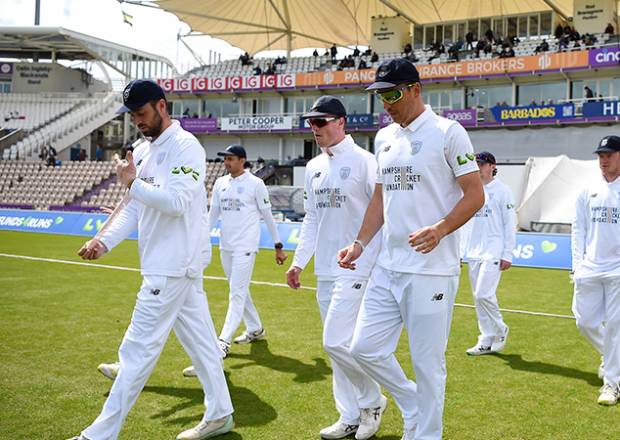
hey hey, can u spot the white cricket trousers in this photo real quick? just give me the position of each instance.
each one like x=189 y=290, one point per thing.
x=163 y=304
x=238 y=267
x=423 y=303
x=596 y=306
x=484 y=278
x=339 y=304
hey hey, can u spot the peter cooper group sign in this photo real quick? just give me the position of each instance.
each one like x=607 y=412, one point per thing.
x=255 y=123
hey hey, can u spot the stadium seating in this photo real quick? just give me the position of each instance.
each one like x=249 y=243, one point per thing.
x=35 y=184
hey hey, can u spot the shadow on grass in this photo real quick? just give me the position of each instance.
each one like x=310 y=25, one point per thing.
x=250 y=410
x=260 y=355
x=516 y=362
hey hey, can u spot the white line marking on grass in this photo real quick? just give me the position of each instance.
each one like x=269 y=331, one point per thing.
x=259 y=283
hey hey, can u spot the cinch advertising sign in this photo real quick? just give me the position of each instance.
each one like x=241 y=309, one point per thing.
x=606 y=108
x=549 y=251
x=533 y=113
x=605 y=56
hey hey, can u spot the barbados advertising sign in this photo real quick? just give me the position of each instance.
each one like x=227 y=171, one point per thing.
x=533 y=113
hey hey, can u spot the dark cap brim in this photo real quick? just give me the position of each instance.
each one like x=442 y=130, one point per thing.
x=228 y=153
x=380 y=85
x=319 y=115
x=605 y=150
x=123 y=109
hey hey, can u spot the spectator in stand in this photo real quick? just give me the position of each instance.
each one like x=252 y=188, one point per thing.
x=542 y=47
x=271 y=69
x=99 y=153
x=533 y=103
x=577 y=45
x=186 y=112
x=411 y=57
x=43 y=153
x=563 y=43
x=588 y=93
x=609 y=29
x=326 y=54
x=480 y=46
x=489 y=36
x=258 y=70
x=51 y=156
x=559 y=31
x=368 y=51
x=507 y=52
x=82 y=156
x=374 y=58
x=315 y=53
x=362 y=65
x=356 y=52
x=454 y=50
x=574 y=35
x=334 y=52
x=245 y=59
x=514 y=40
x=589 y=40
x=407 y=49
x=469 y=39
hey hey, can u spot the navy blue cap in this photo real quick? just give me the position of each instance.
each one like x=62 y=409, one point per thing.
x=138 y=92
x=233 y=150
x=394 y=72
x=485 y=157
x=326 y=106
x=609 y=144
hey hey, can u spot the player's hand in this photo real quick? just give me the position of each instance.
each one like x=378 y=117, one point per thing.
x=348 y=255
x=126 y=170
x=92 y=250
x=292 y=277
x=426 y=239
x=504 y=264
x=280 y=256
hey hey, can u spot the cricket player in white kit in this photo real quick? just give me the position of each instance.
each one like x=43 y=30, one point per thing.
x=241 y=199
x=489 y=238
x=428 y=186
x=338 y=186
x=167 y=203
x=596 y=266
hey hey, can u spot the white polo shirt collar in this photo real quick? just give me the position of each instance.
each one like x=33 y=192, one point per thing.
x=420 y=120
x=167 y=134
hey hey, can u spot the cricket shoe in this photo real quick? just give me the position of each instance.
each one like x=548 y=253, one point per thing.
x=208 y=429
x=338 y=430
x=224 y=347
x=479 y=350
x=190 y=371
x=500 y=342
x=109 y=370
x=370 y=420
x=609 y=395
x=246 y=337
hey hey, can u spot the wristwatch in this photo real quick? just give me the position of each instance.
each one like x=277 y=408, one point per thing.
x=278 y=245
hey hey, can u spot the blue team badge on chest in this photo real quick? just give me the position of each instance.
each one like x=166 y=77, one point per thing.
x=415 y=146
x=240 y=189
x=345 y=172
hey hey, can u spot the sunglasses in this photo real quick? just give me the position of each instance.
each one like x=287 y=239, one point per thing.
x=392 y=96
x=320 y=122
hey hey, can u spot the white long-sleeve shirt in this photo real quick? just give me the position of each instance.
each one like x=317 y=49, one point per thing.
x=241 y=202
x=337 y=192
x=596 y=231
x=167 y=205
x=491 y=232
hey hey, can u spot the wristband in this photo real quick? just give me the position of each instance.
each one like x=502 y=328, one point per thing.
x=360 y=243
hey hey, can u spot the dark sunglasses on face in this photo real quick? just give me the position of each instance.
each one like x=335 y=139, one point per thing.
x=320 y=122
x=394 y=95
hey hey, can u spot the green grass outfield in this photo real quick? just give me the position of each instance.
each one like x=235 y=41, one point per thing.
x=59 y=321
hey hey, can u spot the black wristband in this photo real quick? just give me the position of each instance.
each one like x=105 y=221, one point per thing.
x=278 y=245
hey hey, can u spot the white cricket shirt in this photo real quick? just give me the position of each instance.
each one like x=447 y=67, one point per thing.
x=596 y=231
x=167 y=205
x=337 y=191
x=417 y=168
x=241 y=202
x=491 y=232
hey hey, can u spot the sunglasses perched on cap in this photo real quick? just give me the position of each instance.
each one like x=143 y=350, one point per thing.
x=320 y=122
x=394 y=95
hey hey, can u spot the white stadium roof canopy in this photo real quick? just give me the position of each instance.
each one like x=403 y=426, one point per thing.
x=256 y=25
x=57 y=43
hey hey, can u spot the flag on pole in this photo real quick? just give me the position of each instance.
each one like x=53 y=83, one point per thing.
x=128 y=18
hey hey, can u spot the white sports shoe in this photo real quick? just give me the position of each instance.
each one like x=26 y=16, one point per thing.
x=500 y=342
x=601 y=369
x=109 y=370
x=208 y=429
x=246 y=337
x=338 y=430
x=479 y=350
x=609 y=395
x=190 y=371
x=409 y=434
x=224 y=346
x=370 y=420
